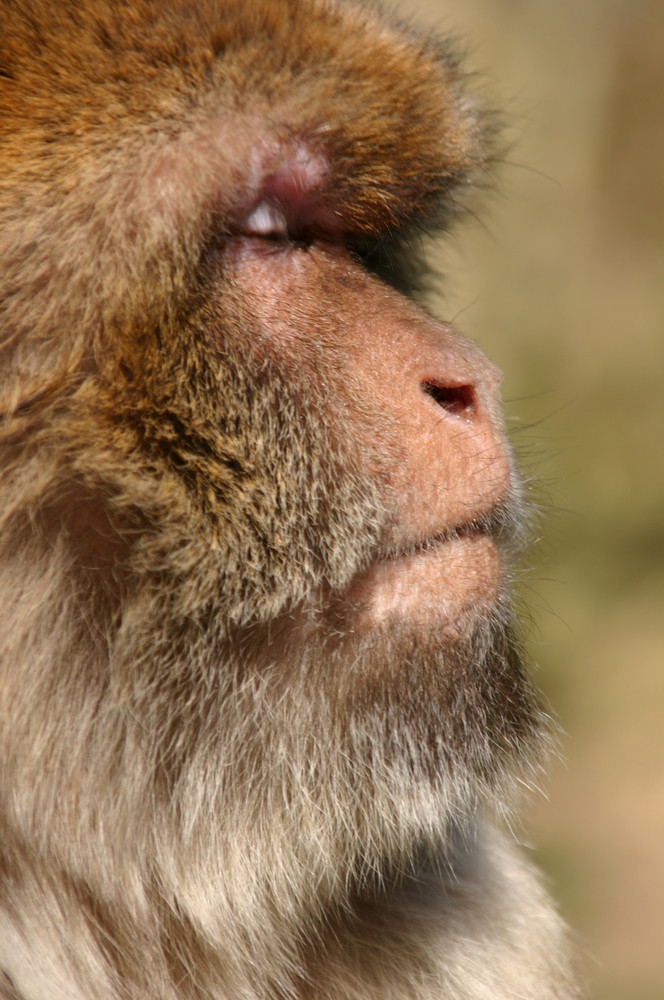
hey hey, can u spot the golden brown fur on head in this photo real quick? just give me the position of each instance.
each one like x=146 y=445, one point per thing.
x=234 y=762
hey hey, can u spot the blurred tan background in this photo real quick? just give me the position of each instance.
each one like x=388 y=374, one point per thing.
x=562 y=282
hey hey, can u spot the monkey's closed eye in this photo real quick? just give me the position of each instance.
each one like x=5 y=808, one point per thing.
x=267 y=220
x=291 y=198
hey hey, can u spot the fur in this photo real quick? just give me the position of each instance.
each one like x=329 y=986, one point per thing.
x=209 y=786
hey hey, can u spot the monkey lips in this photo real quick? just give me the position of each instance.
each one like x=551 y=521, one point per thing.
x=448 y=579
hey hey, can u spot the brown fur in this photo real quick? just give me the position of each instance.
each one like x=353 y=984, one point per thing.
x=210 y=784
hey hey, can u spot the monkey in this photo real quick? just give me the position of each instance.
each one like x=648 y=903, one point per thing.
x=265 y=714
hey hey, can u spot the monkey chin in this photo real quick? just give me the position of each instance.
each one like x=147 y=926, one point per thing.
x=450 y=582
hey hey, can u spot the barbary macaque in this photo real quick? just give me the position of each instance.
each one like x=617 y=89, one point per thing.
x=263 y=706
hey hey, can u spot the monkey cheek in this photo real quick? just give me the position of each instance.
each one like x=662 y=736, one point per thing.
x=451 y=586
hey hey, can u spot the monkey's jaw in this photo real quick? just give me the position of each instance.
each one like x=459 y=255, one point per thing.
x=451 y=582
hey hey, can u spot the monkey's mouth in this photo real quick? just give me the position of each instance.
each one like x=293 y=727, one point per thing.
x=489 y=526
x=500 y=524
x=448 y=578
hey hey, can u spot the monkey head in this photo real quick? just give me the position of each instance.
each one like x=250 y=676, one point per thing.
x=257 y=504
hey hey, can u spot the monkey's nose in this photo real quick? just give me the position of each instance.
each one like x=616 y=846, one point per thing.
x=454 y=464
x=457 y=399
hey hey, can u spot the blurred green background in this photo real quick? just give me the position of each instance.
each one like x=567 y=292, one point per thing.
x=562 y=282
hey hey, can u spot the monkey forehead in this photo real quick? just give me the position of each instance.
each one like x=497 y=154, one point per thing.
x=194 y=96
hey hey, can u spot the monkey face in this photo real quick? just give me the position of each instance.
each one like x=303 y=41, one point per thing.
x=256 y=500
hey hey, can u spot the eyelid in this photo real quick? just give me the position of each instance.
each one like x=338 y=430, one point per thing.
x=266 y=219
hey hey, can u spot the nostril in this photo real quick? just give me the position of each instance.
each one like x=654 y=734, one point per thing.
x=455 y=399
